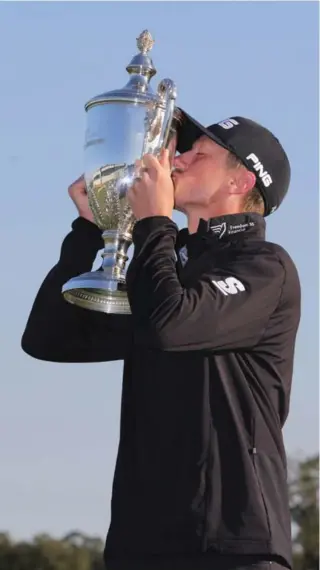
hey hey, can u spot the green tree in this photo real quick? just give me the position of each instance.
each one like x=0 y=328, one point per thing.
x=304 y=502
x=73 y=552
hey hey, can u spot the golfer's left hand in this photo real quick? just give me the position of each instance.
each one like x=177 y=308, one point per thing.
x=153 y=193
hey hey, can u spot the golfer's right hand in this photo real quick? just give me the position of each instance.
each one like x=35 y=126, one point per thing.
x=78 y=194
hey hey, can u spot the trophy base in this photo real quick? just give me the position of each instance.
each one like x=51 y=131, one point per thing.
x=97 y=292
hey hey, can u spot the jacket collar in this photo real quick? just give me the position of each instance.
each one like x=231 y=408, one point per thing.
x=228 y=227
x=222 y=229
x=233 y=226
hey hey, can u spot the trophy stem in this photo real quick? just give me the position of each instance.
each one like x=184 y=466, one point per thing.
x=114 y=254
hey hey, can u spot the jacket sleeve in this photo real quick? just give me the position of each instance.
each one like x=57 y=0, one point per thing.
x=225 y=307
x=57 y=331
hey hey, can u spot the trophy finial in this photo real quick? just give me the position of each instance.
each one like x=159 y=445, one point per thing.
x=141 y=65
x=145 y=42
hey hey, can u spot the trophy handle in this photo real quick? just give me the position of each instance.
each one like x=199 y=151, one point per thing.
x=167 y=92
x=158 y=121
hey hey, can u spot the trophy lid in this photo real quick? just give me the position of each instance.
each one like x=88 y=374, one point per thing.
x=141 y=70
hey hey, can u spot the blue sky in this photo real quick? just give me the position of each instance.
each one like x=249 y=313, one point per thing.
x=59 y=424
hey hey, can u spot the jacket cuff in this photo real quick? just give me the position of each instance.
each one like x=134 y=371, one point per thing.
x=89 y=228
x=80 y=247
x=155 y=224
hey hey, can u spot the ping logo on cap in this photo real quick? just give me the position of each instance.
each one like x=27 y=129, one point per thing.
x=259 y=168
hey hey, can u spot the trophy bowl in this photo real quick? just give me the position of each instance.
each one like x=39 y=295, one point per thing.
x=122 y=126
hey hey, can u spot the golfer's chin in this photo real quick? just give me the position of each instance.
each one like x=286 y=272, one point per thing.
x=176 y=179
x=179 y=191
x=178 y=206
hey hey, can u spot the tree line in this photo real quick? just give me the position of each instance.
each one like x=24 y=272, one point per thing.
x=76 y=551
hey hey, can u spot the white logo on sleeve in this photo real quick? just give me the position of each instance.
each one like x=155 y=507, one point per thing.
x=259 y=168
x=229 y=286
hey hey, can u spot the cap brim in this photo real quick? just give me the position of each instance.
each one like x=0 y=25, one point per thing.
x=190 y=130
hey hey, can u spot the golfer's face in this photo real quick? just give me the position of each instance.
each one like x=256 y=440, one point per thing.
x=200 y=173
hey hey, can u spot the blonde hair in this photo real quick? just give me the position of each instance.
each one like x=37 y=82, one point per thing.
x=252 y=201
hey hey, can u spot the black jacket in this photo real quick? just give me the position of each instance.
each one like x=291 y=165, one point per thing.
x=208 y=358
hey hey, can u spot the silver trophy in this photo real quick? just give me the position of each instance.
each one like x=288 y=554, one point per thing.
x=122 y=126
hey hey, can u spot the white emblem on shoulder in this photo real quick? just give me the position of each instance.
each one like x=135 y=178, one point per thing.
x=229 y=286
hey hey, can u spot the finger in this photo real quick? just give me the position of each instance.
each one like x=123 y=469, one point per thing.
x=139 y=170
x=137 y=167
x=78 y=187
x=140 y=181
x=164 y=159
x=151 y=162
x=152 y=166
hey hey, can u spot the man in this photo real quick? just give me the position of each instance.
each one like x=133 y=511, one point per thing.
x=200 y=479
